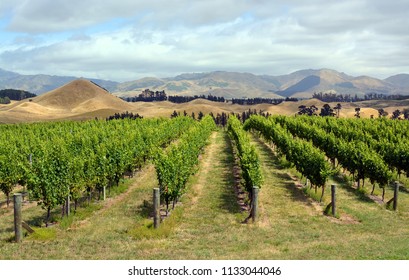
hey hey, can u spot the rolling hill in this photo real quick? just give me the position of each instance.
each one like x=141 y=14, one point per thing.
x=71 y=101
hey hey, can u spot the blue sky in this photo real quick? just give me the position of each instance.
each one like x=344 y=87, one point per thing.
x=124 y=40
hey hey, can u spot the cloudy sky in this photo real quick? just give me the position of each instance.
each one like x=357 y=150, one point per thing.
x=124 y=40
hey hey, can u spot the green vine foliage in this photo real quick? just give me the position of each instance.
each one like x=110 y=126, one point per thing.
x=176 y=164
x=355 y=156
x=249 y=160
x=306 y=158
x=75 y=158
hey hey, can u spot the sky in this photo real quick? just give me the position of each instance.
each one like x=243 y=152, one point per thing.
x=124 y=40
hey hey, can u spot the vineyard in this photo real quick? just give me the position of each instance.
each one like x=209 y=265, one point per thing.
x=88 y=188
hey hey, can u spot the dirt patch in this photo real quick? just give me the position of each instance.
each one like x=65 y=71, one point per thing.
x=376 y=199
x=312 y=204
x=345 y=219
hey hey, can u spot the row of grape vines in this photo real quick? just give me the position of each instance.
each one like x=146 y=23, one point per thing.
x=306 y=158
x=248 y=157
x=386 y=137
x=57 y=160
x=354 y=156
x=348 y=143
x=175 y=164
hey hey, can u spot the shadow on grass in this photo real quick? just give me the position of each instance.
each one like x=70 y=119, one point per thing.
x=145 y=210
x=360 y=194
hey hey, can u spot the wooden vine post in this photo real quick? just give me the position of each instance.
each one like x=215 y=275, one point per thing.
x=18 y=230
x=67 y=206
x=156 y=207
x=395 y=196
x=254 y=202
x=333 y=199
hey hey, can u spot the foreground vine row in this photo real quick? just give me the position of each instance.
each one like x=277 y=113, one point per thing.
x=248 y=157
x=175 y=164
x=57 y=160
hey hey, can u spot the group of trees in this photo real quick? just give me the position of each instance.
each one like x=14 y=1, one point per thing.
x=5 y=100
x=260 y=100
x=334 y=97
x=326 y=110
x=150 y=96
x=14 y=94
x=185 y=99
x=396 y=115
x=175 y=114
x=126 y=115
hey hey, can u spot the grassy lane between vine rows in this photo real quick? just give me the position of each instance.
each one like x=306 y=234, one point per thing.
x=207 y=223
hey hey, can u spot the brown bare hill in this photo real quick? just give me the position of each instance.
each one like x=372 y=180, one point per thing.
x=81 y=96
x=79 y=99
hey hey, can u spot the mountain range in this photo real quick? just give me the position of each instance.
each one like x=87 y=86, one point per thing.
x=82 y=99
x=301 y=84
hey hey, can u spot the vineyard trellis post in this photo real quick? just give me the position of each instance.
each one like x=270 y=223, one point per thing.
x=333 y=199
x=67 y=206
x=254 y=203
x=18 y=230
x=156 y=207
x=395 y=196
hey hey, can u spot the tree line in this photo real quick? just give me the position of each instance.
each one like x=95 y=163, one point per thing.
x=14 y=94
x=151 y=96
x=260 y=100
x=334 y=97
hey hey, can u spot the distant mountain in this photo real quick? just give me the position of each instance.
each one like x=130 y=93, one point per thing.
x=140 y=84
x=400 y=81
x=6 y=75
x=301 y=84
x=40 y=84
x=305 y=82
x=218 y=83
x=304 y=85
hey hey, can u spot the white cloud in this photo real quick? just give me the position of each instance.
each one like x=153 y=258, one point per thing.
x=125 y=40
